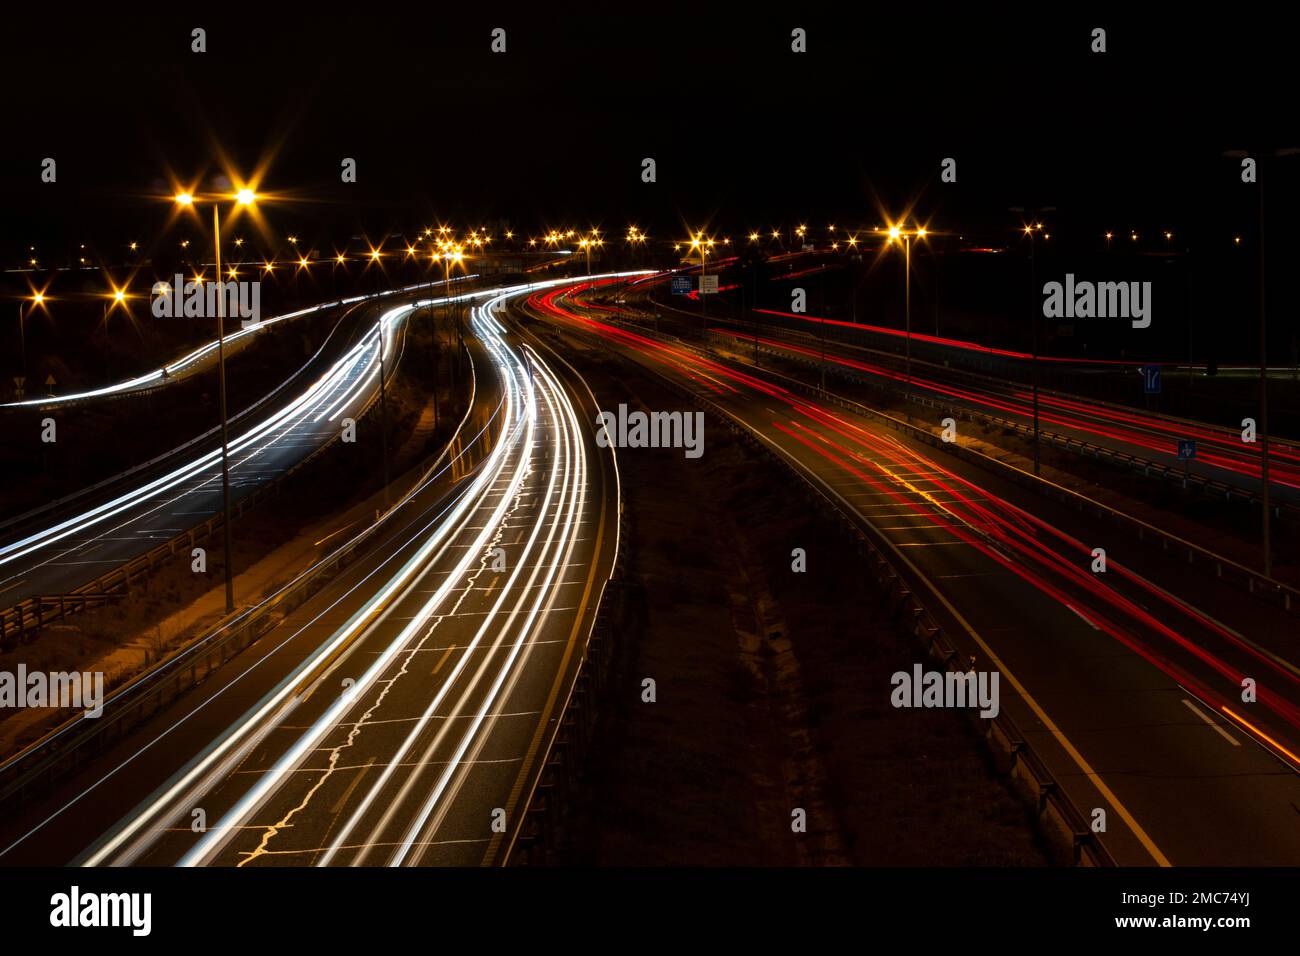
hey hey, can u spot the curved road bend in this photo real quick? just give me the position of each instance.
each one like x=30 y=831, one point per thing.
x=1126 y=683
x=387 y=718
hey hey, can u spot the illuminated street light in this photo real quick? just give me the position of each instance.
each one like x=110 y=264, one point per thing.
x=896 y=233
x=1034 y=320
x=703 y=243
x=37 y=299
x=244 y=197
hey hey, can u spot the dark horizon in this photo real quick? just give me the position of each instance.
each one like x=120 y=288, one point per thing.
x=742 y=131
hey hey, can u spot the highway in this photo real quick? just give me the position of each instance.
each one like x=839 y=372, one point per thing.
x=1221 y=454
x=384 y=720
x=1128 y=683
x=60 y=549
x=73 y=549
x=205 y=356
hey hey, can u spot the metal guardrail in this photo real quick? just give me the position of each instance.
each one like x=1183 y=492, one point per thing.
x=1252 y=581
x=211 y=432
x=1147 y=466
x=541 y=807
x=1061 y=823
x=35 y=768
x=981 y=374
x=21 y=622
x=1233 y=572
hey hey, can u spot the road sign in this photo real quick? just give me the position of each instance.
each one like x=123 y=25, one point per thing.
x=708 y=285
x=1151 y=379
x=681 y=285
x=1186 y=449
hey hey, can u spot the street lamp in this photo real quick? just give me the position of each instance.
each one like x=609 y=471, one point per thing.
x=907 y=235
x=383 y=383
x=244 y=197
x=1033 y=314
x=636 y=237
x=111 y=301
x=36 y=298
x=1265 y=501
x=704 y=244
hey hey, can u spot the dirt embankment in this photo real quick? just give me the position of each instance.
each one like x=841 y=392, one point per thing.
x=772 y=687
x=315 y=510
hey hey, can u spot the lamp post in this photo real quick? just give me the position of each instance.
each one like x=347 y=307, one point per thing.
x=37 y=298
x=112 y=300
x=704 y=244
x=1265 y=493
x=245 y=197
x=383 y=382
x=907 y=235
x=452 y=256
x=1029 y=229
x=383 y=407
x=1033 y=322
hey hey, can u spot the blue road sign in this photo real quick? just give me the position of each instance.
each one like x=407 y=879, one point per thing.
x=1186 y=449
x=682 y=285
x=1151 y=379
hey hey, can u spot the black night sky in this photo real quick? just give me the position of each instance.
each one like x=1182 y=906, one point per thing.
x=745 y=134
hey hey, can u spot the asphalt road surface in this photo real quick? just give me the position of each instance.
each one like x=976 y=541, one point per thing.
x=398 y=715
x=1127 y=683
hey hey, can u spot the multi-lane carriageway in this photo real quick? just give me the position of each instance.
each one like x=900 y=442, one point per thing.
x=389 y=718
x=70 y=543
x=1128 y=684
x=1221 y=454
